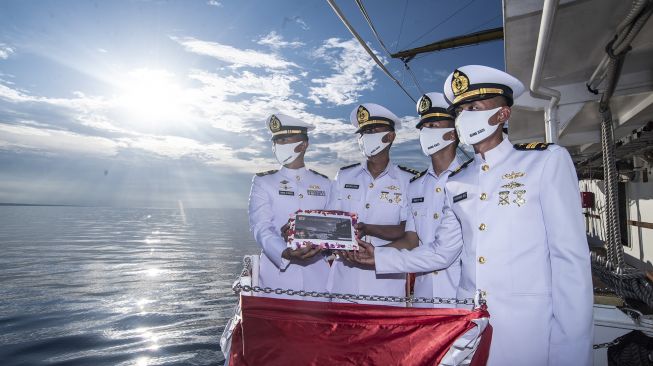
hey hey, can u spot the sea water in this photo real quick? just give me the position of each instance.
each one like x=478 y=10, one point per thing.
x=117 y=286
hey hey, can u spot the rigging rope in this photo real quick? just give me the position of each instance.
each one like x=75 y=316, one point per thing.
x=378 y=38
x=442 y=22
x=351 y=29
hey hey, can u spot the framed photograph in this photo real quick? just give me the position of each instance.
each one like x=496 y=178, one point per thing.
x=328 y=229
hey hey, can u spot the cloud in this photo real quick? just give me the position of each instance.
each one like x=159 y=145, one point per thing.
x=296 y=19
x=49 y=141
x=214 y=3
x=5 y=51
x=276 y=41
x=353 y=72
x=233 y=56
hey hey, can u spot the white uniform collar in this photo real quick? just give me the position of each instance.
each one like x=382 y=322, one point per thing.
x=293 y=174
x=497 y=154
x=389 y=169
x=455 y=163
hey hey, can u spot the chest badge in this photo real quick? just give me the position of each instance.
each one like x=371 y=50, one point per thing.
x=513 y=175
x=392 y=188
x=284 y=185
x=384 y=195
x=503 y=198
x=314 y=186
x=397 y=197
x=512 y=185
x=520 y=200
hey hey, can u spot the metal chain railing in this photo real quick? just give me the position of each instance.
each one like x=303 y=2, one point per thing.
x=615 y=342
x=237 y=288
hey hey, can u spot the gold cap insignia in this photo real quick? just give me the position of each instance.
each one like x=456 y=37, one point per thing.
x=424 y=104
x=459 y=82
x=362 y=115
x=275 y=124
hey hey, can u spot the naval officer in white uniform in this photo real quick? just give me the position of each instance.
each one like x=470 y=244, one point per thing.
x=426 y=195
x=375 y=190
x=523 y=238
x=277 y=194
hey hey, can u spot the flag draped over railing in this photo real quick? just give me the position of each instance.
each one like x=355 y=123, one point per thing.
x=290 y=332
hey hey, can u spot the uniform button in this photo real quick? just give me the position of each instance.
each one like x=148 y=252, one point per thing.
x=483 y=196
x=349 y=196
x=438 y=189
x=298 y=178
x=481 y=260
x=485 y=167
x=371 y=185
x=435 y=272
x=301 y=195
x=367 y=205
x=436 y=216
x=483 y=293
x=482 y=227
x=415 y=213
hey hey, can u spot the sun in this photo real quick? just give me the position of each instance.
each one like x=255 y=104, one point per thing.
x=151 y=96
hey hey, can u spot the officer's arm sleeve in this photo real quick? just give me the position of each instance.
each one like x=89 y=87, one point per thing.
x=262 y=226
x=410 y=221
x=334 y=198
x=446 y=249
x=571 y=283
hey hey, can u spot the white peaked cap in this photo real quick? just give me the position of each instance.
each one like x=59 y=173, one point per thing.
x=281 y=124
x=370 y=114
x=432 y=107
x=477 y=82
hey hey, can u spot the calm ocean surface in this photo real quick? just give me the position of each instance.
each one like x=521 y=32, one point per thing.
x=115 y=286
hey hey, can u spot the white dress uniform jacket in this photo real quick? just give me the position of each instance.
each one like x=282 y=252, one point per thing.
x=426 y=198
x=524 y=245
x=274 y=197
x=380 y=201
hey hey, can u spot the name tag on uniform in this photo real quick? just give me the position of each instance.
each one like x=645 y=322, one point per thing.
x=312 y=192
x=287 y=193
x=352 y=186
x=417 y=200
x=460 y=197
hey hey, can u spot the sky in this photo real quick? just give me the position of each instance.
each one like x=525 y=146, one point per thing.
x=156 y=103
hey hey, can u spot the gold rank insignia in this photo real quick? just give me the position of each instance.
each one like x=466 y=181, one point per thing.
x=424 y=104
x=392 y=188
x=512 y=185
x=503 y=198
x=362 y=115
x=275 y=124
x=314 y=186
x=520 y=200
x=513 y=175
x=459 y=83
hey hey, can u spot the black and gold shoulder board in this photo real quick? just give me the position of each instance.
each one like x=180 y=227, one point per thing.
x=532 y=146
x=460 y=168
x=320 y=174
x=267 y=173
x=349 y=166
x=408 y=170
x=418 y=176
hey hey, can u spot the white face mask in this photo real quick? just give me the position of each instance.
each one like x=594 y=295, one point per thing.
x=285 y=153
x=473 y=126
x=372 y=144
x=432 y=139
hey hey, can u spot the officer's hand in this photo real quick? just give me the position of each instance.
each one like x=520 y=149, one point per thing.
x=364 y=254
x=360 y=229
x=347 y=255
x=301 y=253
x=284 y=231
